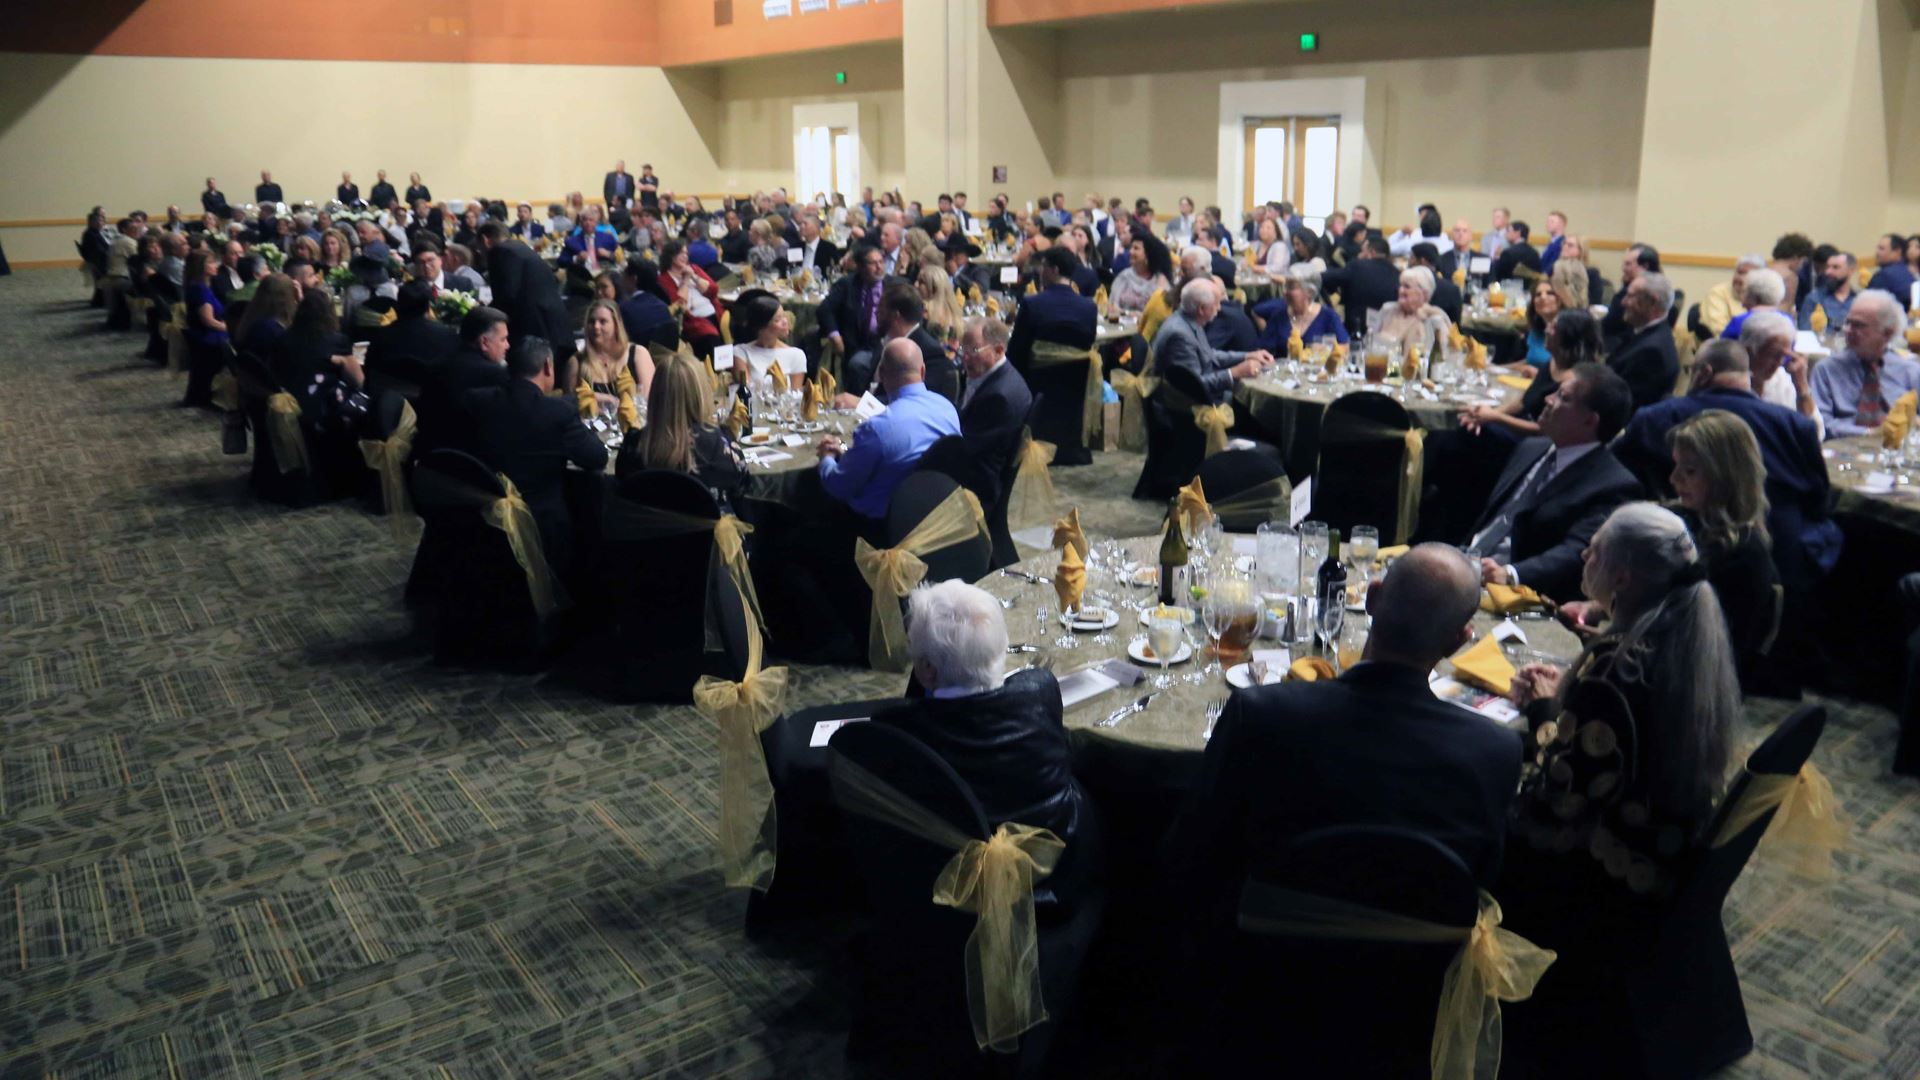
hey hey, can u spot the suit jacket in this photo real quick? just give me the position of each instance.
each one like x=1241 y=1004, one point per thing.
x=825 y=255
x=1232 y=331
x=840 y=313
x=1058 y=314
x=992 y=420
x=618 y=188
x=348 y=193
x=974 y=276
x=267 y=193
x=525 y=288
x=1373 y=747
x=1182 y=347
x=1649 y=363
x=383 y=196
x=215 y=202
x=1806 y=540
x=1446 y=297
x=1086 y=279
x=416 y=192
x=1549 y=535
x=943 y=375
x=527 y=231
x=531 y=437
x=411 y=349
x=1507 y=266
x=1225 y=269
x=441 y=407
x=1363 y=284
x=1010 y=746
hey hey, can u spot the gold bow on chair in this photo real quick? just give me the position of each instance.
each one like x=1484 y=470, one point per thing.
x=1808 y=825
x=1030 y=502
x=388 y=457
x=993 y=879
x=176 y=333
x=226 y=390
x=1049 y=354
x=510 y=514
x=741 y=711
x=1214 y=420
x=283 y=426
x=1133 y=390
x=1492 y=965
x=893 y=572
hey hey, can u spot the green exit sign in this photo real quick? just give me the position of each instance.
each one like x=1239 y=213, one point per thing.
x=1309 y=42
x=840 y=77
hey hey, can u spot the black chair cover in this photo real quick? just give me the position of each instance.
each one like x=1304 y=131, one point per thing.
x=1175 y=444
x=1229 y=474
x=1362 y=449
x=479 y=605
x=912 y=501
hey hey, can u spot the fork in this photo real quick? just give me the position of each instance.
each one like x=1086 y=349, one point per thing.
x=1213 y=717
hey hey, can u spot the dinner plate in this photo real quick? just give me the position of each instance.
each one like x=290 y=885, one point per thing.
x=1107 y=619
x=1146 y=613
x=757 y=439
x=807 y=427
x=1142 y=653
x=1875 y=489
x=1241 y=675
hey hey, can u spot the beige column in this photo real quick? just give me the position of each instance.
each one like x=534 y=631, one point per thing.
x=1768 y=116
x=976 y=98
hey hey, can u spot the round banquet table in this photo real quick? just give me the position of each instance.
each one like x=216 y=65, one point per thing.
x=1289 y=409
x=1111 y=330
x=1256 y=285
x=1850 y=462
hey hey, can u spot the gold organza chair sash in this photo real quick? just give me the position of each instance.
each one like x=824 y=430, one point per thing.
x=176 y=334
x=1412 y=468
x=1212 y=420
x=1491 y=966
x=748 y=836
x=1051 y=353
x=993 y=879
x=1030 y=502
x=1133 y=390
x=283 y=427
x=510 y=514
x=893 y=572
x=388 y=457
x=1270 y=500
x=1808 y=825
x=626 y=519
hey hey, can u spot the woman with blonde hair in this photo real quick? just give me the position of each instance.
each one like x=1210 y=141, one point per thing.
x=681 y=436
x=610 y=363
x=1569 y=281
x=943 y=307
x=305 y=247
x=763 y=257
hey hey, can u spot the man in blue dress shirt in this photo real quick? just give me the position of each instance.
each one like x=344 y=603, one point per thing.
x=1855 y=388
x=889 y=445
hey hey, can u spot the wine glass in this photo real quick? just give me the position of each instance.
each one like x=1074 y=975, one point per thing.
x=1363 y=548
x=1102 y=572
x=1164 y=634
x=1068 y=639
x=1233 y=621
x=1352 y=643
x=1198 y=637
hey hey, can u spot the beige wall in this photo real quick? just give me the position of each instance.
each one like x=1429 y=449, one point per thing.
x=127 y=132
x=755 y=111
x=1903 y=202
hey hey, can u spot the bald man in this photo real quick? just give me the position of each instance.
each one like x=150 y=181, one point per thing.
x=888 y=446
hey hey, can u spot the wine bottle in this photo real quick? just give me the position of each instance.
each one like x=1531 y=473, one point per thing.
x=1332 y=581
x=1173 y=555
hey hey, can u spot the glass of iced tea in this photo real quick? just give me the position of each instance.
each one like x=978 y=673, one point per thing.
x=1233 y=620
x=1378 y=359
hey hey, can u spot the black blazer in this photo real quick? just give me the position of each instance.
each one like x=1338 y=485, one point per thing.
x=1058 y=314
x=840 y=313
x=441 y=407
x=416 y=192
x=1549 y=535
x=531 y=437
x=347 y=193
x=1232 y=330
x=1010 y=746
x=1649 y=363
x=410 y=349
x=1512 y=257
x=991 y=421
x=943 y=375
x=1373 y=747
x=266 y=193
x=825 y=255
x=215 y=202
x=1363 y=284
x=618 y=188
x=1446 y=297
x=383 y=196
x=524 y=287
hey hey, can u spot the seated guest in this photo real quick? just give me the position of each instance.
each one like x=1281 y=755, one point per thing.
x=1148 y=269
x=1271 y=252
x=1194 y=263
x=606 y=286
x=645 y=312
x=994 y=405
x=1306 y=253
x=891 y=443
x=460 y=273
x=850 y=317
x=1366 y=282
x=1055 y=312
x=608 y=357
x=315 y=363
x=1517 y=254
x=1446 y=295
x=936 y=290
x=1804 y=538
x=206 y=330
x=1719 y=479
x=1615 y=328
x=1373 y=747
x=1543 y=307
x=413 y=344
x=1894 y=276
x=1221 y=264
x=689 y=286
x=335 y=251
x=1832 y=293
x=229 y=277
x=1297 y=312
x=1727 y=299
x=1182 y=345
x=1854 y=389
x=524 y=226
x=1232 y=329
x=760 y=328
x=1573 y=339
x=268 y=314
x=1001 y=733
x=1779 y=376
x=1413 y=318
x=479 y=363
x=1764 y=290
x=1633 y=745
x=1557 y=488
x=588 y=246
x=904 y=315
x=763 y=257
x=524 y=432
x=1646 y=358
x=681 y=436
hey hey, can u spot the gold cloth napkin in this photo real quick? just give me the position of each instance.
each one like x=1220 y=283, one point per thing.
x=1518 y=382
x=1068 y=533
x=1899 y=419
x=778 y=376
x=1194 y=511
x=1476 y=355
x=810 y=403
x=1069 y=579
x=739 y=420
x=1310 y=669
x=1483 y=665
x=1511 y=599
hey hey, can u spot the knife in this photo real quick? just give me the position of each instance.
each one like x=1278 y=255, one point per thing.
x=1125 y=711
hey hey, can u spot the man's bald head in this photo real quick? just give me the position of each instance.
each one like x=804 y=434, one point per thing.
x=900 y=364
x=1423 y=609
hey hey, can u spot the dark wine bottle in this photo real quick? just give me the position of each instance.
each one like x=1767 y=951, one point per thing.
x=1173 y=555
x=1332 y=591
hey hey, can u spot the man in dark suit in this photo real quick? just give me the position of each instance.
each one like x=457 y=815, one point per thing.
x=817 y=253
x=481 y=361
x=960 y=253
x=383 y=197
x=904 y=315
x=1220 y=264
x=1446 y=295
x=1370 y=281
x=1004 y=737
x=214 y=201
x=266 y=191
x=348 y=192
x=417 y=192
x=1806 y=541
x=413 y=346
x=645 y=313
x=850 y=317
x=618 y=188
x=994 y=405
x=526 y=290
x=523 y=431
x=1558 y=488
x=1614 y=329
x=1373 y=747
x=1647 y=358
x=1055 y=312
x=1518 y=253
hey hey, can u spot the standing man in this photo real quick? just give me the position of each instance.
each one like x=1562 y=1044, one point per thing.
x=525 y=289
x=1556 y=230
x=348 y=192
x=649 y=189
x=266 y=191
x=619 y=189
x=383 y=196
x=214 y=202
x=417 y=192
x=1496 y=239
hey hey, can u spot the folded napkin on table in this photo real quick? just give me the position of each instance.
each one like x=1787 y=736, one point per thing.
x=1194 y=510
x=1067 y=533
x=1476 y=355
x=779 y=377
x=1899 y=419
x=1069 y=579
x=1511 y=599
x=1484 y=666
x=1518 y=382
x=810 y=403
x=1393 y=551
x=739 y=420
x=827 y=385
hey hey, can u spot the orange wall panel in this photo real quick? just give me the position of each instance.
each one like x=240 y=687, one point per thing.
x=688 y=35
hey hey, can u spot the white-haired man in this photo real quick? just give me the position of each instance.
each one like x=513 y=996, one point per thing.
x=1002 y=734
x=1764 y=289
x=1780 y=375
x=1647 y=359
x=1181 y=346
x=1723 y=301
x=1854 y=389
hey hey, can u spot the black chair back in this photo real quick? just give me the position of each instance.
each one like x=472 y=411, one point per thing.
x=1004 y=552
x=1362 y=452
x=1227 y=475
x=296 y=487
x=465 y=571
x=912 y=501
x=1342 y=1007
x=1062 y=419
x=1175 y=444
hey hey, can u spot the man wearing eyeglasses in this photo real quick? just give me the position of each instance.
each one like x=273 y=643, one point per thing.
x=1855 y=389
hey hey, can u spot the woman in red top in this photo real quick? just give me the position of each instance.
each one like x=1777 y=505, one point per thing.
x=689 y=286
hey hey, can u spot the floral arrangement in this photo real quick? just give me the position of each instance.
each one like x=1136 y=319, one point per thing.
x=340 y=277
x=452 y=305
x=271 y=254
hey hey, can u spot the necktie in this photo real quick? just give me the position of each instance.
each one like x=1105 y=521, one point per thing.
x=1871 y=410
x=1496 y=533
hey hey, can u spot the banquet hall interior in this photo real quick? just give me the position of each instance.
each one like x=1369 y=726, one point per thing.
x=960 y=538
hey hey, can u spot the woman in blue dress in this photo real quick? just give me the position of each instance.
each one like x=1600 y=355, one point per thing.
x=1298 y=305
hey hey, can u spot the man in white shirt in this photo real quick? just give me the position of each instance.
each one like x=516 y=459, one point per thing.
x=891 y=236
x=1778 y=375
x=1180 y=229
x=1492 y=244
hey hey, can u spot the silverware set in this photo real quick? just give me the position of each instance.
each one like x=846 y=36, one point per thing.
x=1031 y=579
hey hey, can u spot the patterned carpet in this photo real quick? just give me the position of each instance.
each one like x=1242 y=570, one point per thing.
x=246 y=830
